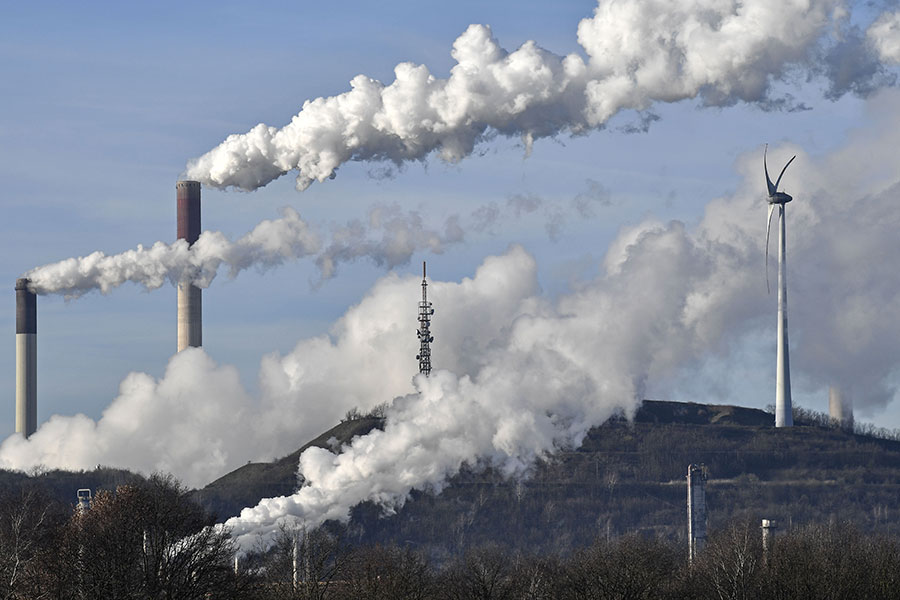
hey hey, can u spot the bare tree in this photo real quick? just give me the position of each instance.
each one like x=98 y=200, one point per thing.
x=483 y=573
x=630 y=568
x=730 y=566
x=303 y=564
x=29 y=523
x=150 y=540
x=386 y=573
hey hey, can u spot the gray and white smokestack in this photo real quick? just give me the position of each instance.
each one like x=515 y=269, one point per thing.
x=26 y=358
x=696 y=509
x=190 y=301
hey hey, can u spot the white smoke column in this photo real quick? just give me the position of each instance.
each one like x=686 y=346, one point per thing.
x=269 y=244
x=637 y=53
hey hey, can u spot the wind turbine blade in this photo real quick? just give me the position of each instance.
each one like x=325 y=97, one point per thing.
x=766 y=168
x=783 y=170
x=768 y=227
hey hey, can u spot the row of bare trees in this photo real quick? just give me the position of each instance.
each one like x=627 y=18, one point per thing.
x=831 y=561
x=145 y=540
x=148 y=540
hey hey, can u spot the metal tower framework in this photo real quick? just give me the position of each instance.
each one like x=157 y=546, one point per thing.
x=424 y=331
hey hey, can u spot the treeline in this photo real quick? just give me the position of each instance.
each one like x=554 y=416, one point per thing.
x=831 y=561
x=149 y=540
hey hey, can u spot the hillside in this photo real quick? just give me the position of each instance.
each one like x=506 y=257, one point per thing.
x=625 y=477
x=246 y=485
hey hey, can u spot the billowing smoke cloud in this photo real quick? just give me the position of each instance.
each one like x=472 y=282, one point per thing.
x=668 y=298
x=367 y=358
x=635 y=54
x=884 y=34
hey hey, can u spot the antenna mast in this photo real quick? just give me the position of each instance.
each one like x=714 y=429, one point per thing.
x=424 y=331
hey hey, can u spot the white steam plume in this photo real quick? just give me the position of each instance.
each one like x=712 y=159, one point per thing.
x=884 y=34
x=269 y=244
x=636 y=53
x=389 y=237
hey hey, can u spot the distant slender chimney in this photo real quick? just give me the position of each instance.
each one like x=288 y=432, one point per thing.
x=840 y=408
x=696 y=508
x=190 y=301
x=26 y=358
x=424 y=331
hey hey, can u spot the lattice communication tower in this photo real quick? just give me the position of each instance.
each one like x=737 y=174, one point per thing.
x=424 y=331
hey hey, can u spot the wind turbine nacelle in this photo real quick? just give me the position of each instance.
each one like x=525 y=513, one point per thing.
x=780 y=198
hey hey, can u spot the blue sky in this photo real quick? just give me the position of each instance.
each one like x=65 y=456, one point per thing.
x=103 y=104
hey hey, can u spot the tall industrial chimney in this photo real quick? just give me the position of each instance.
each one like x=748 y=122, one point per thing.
x=26 y=358
x=190 y=301
x=696 y=508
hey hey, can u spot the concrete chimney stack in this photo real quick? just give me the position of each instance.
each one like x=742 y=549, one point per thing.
x=696 y=509
x=26 y=358
x=190 y=300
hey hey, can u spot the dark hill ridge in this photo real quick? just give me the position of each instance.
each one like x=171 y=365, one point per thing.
x=625 y=477
x=655 y=411
x=247 y=485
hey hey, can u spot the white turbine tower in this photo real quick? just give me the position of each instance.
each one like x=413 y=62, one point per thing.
x=783 y=415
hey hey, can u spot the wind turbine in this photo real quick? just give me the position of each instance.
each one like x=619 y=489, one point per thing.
x=783 y=414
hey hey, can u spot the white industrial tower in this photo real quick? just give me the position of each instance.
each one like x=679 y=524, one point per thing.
x=424 y=331
x=696 y=509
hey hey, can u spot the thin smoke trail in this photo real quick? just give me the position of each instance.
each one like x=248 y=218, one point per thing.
x=388 y=236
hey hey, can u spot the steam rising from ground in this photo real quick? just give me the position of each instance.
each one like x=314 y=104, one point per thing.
x=635 y=54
